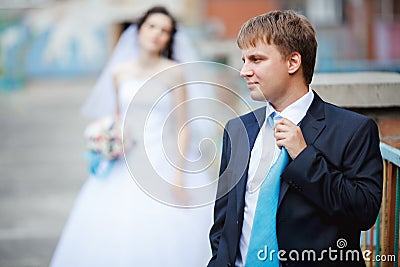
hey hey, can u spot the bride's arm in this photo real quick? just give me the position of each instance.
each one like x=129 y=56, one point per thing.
x=183 y=133
x=116 y=74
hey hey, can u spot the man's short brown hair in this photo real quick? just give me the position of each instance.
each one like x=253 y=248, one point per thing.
x=289 y=31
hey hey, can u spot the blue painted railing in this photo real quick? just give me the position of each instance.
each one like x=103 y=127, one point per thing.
x=382 y=240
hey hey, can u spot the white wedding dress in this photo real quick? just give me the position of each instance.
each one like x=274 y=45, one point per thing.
x=115 y=223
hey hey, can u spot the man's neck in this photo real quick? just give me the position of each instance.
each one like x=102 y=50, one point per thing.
x=291 y=96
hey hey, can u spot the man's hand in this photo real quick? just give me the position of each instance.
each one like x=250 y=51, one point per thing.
x=289 y=135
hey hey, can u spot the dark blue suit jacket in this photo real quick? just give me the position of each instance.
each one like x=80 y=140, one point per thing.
x=331 y=191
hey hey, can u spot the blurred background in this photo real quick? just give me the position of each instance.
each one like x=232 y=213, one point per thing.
x=65 y=38
x=51 y=52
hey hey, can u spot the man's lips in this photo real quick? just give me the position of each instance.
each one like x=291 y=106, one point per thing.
x=251 y=83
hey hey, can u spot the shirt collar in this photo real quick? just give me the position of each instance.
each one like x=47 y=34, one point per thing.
x=296 y=111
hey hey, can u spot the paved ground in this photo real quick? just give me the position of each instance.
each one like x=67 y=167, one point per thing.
x=42 y=167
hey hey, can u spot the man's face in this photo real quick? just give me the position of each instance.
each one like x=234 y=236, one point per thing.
x=265 y=72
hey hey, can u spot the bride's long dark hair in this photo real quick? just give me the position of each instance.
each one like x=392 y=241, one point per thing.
x=168 y=51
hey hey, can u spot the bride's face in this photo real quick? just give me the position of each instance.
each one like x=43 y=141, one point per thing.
x=155 y=33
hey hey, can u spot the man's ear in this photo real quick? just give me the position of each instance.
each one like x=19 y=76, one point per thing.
x=294 y=62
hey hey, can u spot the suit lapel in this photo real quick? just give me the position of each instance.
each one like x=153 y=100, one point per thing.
x=311 y=126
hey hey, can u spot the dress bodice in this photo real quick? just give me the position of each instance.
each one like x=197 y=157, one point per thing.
x=146 y=107
x=146 y=94
x=127 y=91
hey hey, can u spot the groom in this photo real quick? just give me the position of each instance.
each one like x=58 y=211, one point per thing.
x=308 y=210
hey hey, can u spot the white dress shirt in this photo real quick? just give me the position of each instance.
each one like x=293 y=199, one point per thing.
x=261 y=159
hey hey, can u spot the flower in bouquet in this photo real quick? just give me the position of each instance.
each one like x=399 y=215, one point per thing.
x=104 y=142
x=104 y=136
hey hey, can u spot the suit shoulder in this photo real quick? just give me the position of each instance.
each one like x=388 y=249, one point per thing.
x=344 y=116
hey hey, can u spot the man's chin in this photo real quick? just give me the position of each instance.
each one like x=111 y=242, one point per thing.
x=257 y=96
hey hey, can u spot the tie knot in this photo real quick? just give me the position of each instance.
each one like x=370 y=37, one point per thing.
x=274 y=117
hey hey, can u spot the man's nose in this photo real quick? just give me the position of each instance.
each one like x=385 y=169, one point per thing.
x=246 y=71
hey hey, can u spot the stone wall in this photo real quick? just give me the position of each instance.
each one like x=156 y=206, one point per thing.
x=375 y=94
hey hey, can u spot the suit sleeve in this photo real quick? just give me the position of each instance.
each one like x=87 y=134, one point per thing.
x=220 y=203
x=352 y=191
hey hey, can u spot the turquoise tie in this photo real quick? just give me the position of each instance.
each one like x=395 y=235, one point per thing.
x=263 y=247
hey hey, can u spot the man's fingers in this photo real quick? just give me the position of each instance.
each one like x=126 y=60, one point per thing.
x=281 y=129
x=283 y=125
x=280 y=135
x=285 y=121
x=280 y=143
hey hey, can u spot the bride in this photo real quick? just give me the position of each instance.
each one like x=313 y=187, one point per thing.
x=117 y=220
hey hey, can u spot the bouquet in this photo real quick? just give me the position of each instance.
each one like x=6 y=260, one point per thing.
x=104 y=136
x=104 y=142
